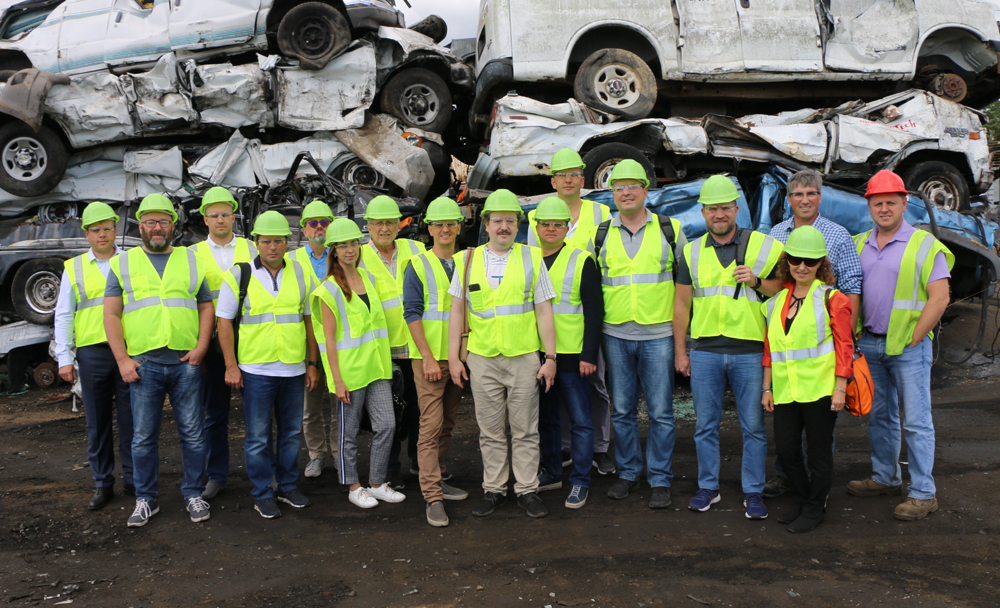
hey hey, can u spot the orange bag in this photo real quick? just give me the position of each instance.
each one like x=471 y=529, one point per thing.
x=860 y=388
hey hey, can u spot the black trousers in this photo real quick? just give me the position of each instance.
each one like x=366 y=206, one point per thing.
x=411 y=420
x=812 y=486
x=104 y=395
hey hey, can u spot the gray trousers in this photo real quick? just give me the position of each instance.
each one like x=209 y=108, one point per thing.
x=377 y=398
x=600 y=409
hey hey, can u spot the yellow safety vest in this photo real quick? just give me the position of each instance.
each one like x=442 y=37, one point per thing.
x=715 y=312
x=362 y=334
x=302 y=256
x=567 y=306
x=437 y=302
x=910 y=295
x=88 y=294
x=159 y=312
x=803 y=362
x=591 y=214
x=245 y=252
x=273 y=328
x=502 y=321
x=390 y=288
x=639 y=289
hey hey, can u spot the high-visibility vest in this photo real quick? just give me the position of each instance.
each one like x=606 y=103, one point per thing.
x=159 y=312
x=910 y=295
x=437 y=302
x=88 y=293
x=591 y=214
x=567 y=306
x=639 y=289
x=362 y=336
x=272 y=327
x=390 y=289
x=502 y=321
x=302 y=255
x=245 y=252
x=715 y=311
x=803 y=362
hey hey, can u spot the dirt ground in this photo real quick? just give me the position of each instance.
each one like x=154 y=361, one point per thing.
x=55 y=552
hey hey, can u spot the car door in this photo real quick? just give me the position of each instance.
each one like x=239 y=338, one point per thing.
x=136 y=34
x=83 y=24
x=860 y=40
x=710 y=40
x=780 y=35
x=197 y=24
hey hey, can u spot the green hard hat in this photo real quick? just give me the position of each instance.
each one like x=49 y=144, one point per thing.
x=341 y=231
x=156 y=202
x=553 y=208
x=806 y=242
x=629 y=169
x=502 y=200
x=382 y=207
x=315 y=209
x=718 y=190
x=443 y=209
x=217 y=194
x=271 y=223
x=565 y=158
x=98 y=212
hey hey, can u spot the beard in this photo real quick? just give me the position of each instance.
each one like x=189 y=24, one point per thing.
x=318 y=240
x=721 y=231
x=147 y=240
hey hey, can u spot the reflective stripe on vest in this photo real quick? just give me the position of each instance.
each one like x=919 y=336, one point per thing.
x=277 y=335
x=639 y=289
x=389 y=287
x=249 y=318
x=88 y=322
x=586 y=222
x=567 y=307
x=803 y=361
x=245 y=251
x=134 y=305
x=437 y=303
x=502 y=321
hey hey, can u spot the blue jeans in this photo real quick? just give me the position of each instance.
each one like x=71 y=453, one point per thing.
x=183 y=383
x=572 y=390
x=648 y=364
x=907 y=375
x=709 y=374
x=215 y=396
x=284 y=397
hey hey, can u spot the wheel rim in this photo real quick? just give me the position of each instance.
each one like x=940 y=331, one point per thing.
x=24 y=159
x=942 y=192
x=42 y=290
x=360 y=173
x=313 y=37
x=57 y=212
x=617 y=86
x=420 y=104
x=602 y=176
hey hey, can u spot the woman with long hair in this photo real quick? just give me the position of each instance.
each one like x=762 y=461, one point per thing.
x=808 y=353
x=351 y=329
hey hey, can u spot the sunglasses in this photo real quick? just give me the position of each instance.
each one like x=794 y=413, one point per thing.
x=809 y=262
x=315 y=223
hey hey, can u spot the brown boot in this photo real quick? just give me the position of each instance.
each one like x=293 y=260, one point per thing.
x=913 y=509
x=870 y=487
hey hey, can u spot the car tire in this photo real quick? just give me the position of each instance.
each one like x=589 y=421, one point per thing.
x=940 y=183
x=602 y=159
x=418 y=98
x=33 y=163
x=433 y=27
x=616 y=81
x=36 y=288
x=314 y=33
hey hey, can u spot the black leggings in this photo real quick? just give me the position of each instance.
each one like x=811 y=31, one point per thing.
x=812 y=486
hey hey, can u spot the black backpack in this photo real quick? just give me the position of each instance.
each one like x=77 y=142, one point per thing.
x=666 y=227
x=245 y=275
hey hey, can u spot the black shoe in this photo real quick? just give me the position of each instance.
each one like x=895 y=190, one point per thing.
x=660 y=498
x=605 y=464
x=532 y=504
x=128 y=489
x=776 y=486
x=789 y=516
x=804 y=524
x=567 y=458
x=396 y=480
x=489 y=503
x=101 y=497
x=621 y=488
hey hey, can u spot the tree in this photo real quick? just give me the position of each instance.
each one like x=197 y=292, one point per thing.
x=992 y=111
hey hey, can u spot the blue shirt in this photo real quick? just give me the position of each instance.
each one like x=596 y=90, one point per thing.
x=318 y=263
x=840 y=247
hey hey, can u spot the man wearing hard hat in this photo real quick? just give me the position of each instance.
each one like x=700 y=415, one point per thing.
x=79 y=322
x=904 y=292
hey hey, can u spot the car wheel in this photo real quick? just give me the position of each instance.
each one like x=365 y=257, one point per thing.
x=33 y=163
x=314 y=33
x=602 y=160
x=36 y=288
x=616 y=81
x=419 y=98
x=433 y=27
x=357 y=172
x=940 y=183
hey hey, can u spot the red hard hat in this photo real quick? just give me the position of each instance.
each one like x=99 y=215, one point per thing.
x=885 y=182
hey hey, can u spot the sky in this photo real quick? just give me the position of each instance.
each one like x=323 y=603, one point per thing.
x=461 y=15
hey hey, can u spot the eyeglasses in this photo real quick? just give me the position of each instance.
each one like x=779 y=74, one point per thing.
x=809 y=262
x=347 y=245
x=557 y=224
x=383 y=223
x=315 y=223
x=710 y=209
x=507 y=221
x=277 y=242
x=451 y=225
x=626 y=187
x=154 y=223
x=99 y=229
x=564 y=174
x=798 y=196
x=215 y=216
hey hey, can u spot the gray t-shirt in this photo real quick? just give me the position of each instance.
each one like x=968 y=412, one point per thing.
x=113 y=289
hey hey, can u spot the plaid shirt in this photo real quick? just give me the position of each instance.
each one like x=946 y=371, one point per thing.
x=842 y=252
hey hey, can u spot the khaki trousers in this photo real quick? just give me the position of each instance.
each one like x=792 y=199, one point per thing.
x=438 y=407
x=505 y=390
x=318 y=437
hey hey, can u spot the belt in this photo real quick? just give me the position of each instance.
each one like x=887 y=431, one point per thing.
x=871 y=333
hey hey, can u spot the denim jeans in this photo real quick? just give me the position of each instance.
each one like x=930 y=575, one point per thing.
x=648 y=364
x=215 y=397
x=572 y=390
x=262 y=396
x=709 y=374
x=907 y=375
x=183 y=383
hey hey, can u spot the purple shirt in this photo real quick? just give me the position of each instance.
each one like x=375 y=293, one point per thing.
x=879 y=271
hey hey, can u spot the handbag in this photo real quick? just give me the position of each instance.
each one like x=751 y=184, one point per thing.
x=860 y=387
x=463 y=347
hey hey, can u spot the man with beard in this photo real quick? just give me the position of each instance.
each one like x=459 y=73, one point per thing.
x=725 y=276
x=158 y=316
x=79 y=320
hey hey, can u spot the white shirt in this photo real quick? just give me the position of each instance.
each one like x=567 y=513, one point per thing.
x=65 y=332
x=228 y=304
x=495 y=266
x=223 y=254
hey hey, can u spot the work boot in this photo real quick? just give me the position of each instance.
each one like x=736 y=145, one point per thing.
x=913 y=509
x=870 y=487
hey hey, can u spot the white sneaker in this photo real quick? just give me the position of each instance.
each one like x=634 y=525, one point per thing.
x=385 y=493
x=315 y=467
x=362 y=497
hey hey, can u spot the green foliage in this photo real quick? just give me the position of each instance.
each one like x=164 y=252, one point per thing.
x=993 y=112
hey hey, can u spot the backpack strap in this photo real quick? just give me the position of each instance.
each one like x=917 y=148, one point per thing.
x=245 y=275
x=741 y=253
x=600 y=237
x=667 y=228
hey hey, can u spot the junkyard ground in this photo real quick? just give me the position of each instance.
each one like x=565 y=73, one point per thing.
x=607 y=554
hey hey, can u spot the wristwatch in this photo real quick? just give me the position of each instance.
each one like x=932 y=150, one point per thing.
x=757 y=284
x=314 y=363
x=551 y=357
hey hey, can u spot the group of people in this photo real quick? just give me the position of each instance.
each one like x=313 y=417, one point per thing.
x=556 y=339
